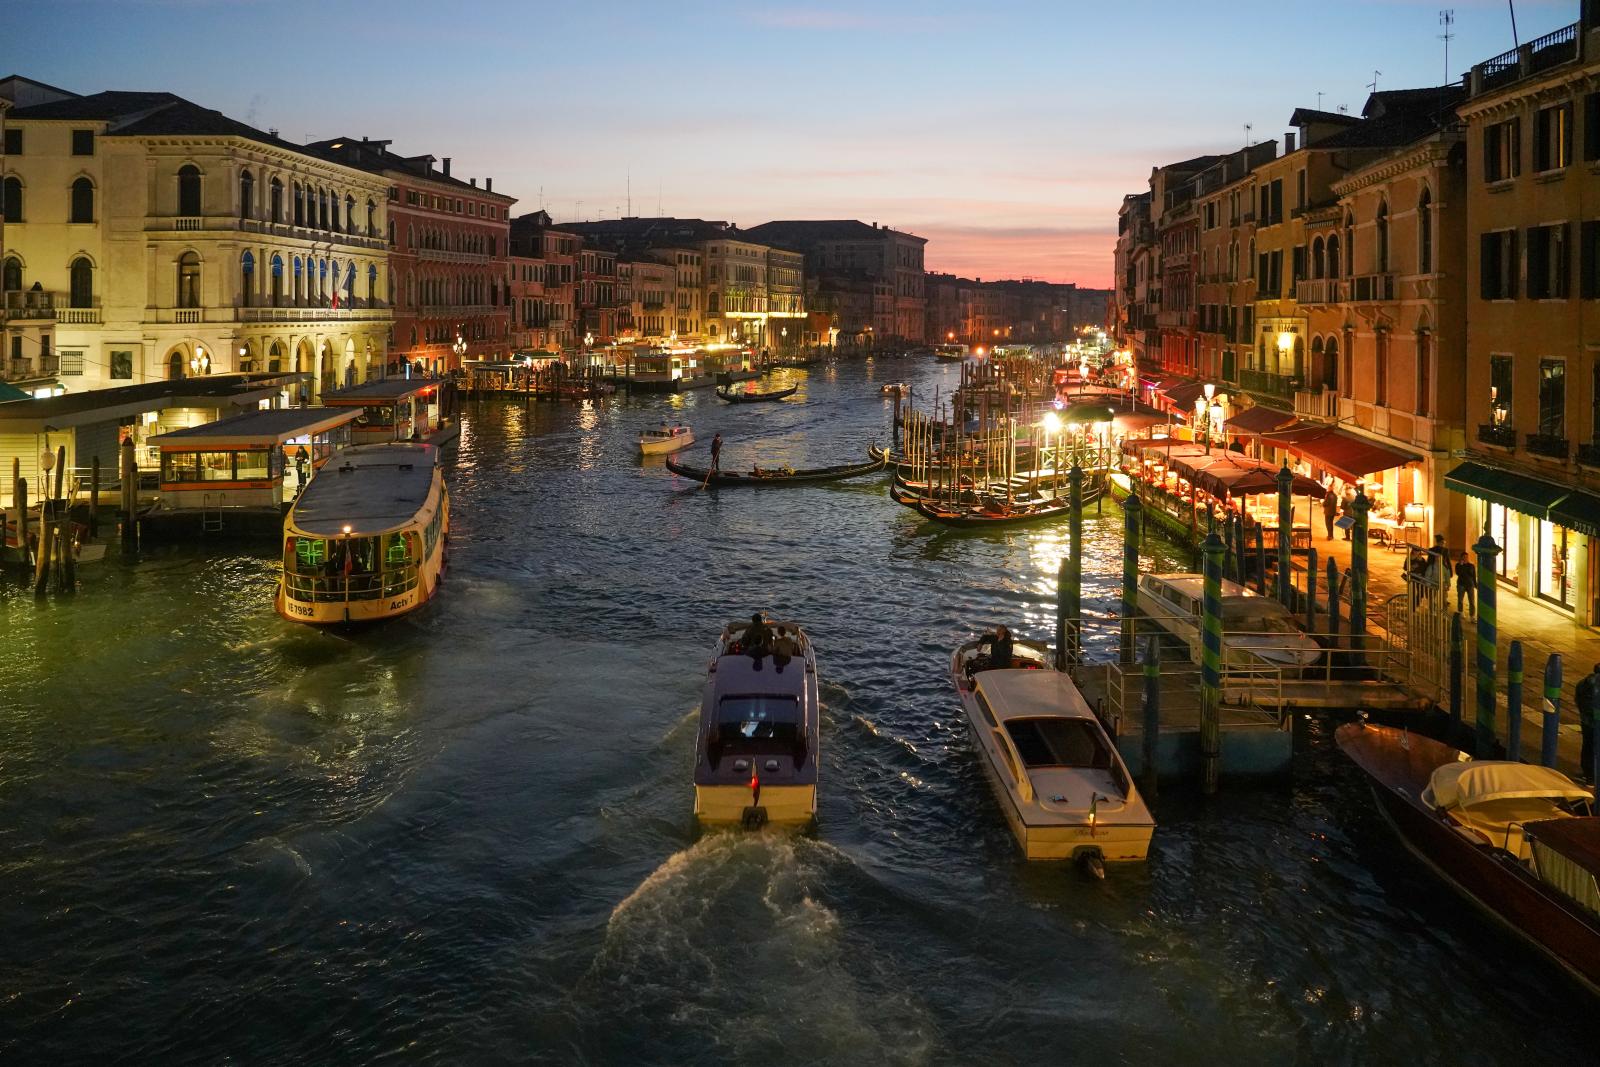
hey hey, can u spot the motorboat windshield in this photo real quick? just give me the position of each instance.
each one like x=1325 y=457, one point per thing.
x=1059 y=743
x=1255 y=616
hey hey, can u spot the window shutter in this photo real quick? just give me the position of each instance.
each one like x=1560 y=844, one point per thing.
x=1516 y=156
x=1488 y=265
x=1512 y=261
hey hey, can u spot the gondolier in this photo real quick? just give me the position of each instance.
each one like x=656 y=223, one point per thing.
x=716 y=452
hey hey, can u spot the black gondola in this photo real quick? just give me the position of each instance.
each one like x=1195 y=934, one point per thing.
x=995 y=512
x=752 y=398
x=776 y=476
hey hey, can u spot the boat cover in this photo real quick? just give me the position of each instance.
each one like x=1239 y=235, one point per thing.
x=1473 y=782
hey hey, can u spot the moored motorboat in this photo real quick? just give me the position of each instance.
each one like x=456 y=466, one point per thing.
x=365 y=539
x=659 y=440
x=1257 y=631
x=756 y=750
x=1521 y=841
x=1064 y=789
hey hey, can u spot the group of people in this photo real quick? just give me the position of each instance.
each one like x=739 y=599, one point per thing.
x=1432 y=569
x=760 y=641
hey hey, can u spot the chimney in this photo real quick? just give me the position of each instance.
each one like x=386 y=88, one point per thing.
x=488 y=185
x=446 y=166
x=1288 y=143
x=473 y=182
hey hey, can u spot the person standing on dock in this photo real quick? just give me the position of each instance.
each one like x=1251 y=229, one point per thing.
x=1467 y=584
x=1330 y=510
x=716 y=452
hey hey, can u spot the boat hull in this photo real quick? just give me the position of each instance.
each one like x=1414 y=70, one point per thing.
x=1398 y=769
x=784 y=805
x=664 y=446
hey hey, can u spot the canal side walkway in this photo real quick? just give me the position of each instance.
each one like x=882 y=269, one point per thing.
x=1543 y=631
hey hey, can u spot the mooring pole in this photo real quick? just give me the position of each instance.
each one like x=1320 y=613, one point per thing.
x=1152 y=710
x=1311 y=590
x=1552 y=710
x=94 y=498
x=1075 y=533
x=1229 y=558
x=1358 y=575
x=1261 y=560
x=1130 y=575
x=1514 y=701
x=1063 y=575
x=130 y=491
x=1458 y=664
x=1486 y=551
x=1285 y=532
x=1211 y=664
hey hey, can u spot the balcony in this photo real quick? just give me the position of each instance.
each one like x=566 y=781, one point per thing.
x=1316 y=403
x=1317 y=291
x=1497 y=436
x=1536 y=56
x=22 y=305
x=78 y=316
x=1548 y=445
x=1589 y=454
x=291 y=314
x=1265 y=383
x=1368 y=288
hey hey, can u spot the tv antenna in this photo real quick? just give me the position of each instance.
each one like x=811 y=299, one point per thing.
x=1513 y=6
x=1447 y=19
x=1374 y=85
x=1319 y=99
x=1247 y=129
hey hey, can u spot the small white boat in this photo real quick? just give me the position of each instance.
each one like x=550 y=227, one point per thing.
x=894 y=388
x=1257 y=631
x=1064 y=789
x=756 y=751
x=668 y=437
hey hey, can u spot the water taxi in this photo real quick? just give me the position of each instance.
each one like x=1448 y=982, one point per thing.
x=366 y=539
x=1064 y=789
x=952 y=353
x=1256 y=630
x=1520 y=841
x=757 y=749
x=659 y=440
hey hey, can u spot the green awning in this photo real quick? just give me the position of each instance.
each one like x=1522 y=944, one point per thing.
x=1578 y=511
x=1088 y=413
x=1518 y=492
x=11 y=392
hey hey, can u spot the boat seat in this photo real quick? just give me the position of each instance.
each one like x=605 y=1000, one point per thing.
x=1500 y=822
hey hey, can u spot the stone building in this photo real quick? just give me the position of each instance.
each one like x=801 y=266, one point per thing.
x=839 y=247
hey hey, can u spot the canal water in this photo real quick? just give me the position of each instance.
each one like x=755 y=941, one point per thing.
x=466 y=837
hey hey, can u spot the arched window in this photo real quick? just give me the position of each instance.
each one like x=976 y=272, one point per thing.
x=1333 y=256
x=175 y=364
x=299 y=281
x=189 y=189
x=82 y=208
x=277 y=280
x=247 y=195
x=247 y=279
x=322 y=209
x=11 y=274
x=189 y=280
x=275 y=358
x=350 y=213
x=1349 y=244
x=1330 y=365
x=11 y=200
x=81 y=283
x=1383 y=237
x=1425 y=233
x=247 y=358
x=411 y=237
x=713 y=303
x=1318 y=261
x=372 y=285
x=275 y=200
x=372 y=219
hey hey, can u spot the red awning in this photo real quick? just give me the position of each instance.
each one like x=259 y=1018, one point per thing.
x=1258 y=420
x=1344 y=453
x=1181 y=393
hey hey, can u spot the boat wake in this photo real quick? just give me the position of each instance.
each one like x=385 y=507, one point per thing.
x=729 y=941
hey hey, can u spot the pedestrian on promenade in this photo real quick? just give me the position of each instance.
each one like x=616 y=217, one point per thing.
x=1586 y=697
x=1467 y=584
x=716 y=452
x=1439 y=567
x=1330 y=510
x=1349 y=507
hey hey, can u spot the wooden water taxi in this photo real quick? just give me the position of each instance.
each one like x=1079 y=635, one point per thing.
x=1520 y=841
x=756 y=751
x=660 y=440
x=1065 y=791
x=1256 y=630
x=365 y=541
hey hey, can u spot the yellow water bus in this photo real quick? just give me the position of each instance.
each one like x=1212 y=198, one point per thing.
x=366 y=539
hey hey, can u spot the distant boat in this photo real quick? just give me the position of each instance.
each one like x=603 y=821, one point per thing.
x=658 y=440
x=1519 y=840
x=776 y=475
x=950 y=353
x=365 y=540
x=1063 y=787
x=757 y=748
x=751 y=397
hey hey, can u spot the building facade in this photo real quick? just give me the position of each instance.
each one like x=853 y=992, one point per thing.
x=838 y=248
x=165 y=240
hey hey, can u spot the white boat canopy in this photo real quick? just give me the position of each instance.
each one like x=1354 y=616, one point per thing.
x=1473 y=782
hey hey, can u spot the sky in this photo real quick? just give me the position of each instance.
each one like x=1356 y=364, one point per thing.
x=1004 y=131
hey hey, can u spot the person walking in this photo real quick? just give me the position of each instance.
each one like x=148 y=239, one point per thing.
x=1439 y=568
x=1467 y=584
x=716 y=452
x=1587 y=695
x=1349 y=507
x=1330 y=510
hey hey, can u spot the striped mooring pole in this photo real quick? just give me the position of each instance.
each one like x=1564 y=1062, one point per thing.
x=1075 y=534
x=1285 y=532
x=1152 y=710
x=1486 y=551
x=1333 y=600
x=1514 y=701
x=1458 y=670
x=1211 y=663
x=1358 y=574
x=1552 y=710
x=1130 y=575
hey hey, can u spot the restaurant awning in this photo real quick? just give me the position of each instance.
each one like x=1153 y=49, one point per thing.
x=1515 y=491
x=1249 y=478
x=1346 y=454
x=1258 y=420
x=1578 y=511
x=1181 y=393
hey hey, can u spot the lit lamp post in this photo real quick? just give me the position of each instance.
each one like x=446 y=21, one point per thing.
x=200 y=362
x=1285 y=346
x=459 y=346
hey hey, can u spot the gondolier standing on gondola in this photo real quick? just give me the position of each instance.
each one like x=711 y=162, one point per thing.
x=716 y=452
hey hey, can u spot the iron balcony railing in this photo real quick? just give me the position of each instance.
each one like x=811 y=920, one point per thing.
x=1532 y=58
x=1589 y=454
x=1549 y=445
x=1266 y=383
x=1498 y=436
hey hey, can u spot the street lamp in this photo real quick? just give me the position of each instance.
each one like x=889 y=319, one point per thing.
x=459 y=346
x=200 y=362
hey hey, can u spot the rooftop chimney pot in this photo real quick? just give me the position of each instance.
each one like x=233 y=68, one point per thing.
x=446 y=166
x=488 y=185
x=1288 y=143
x=473 y=182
